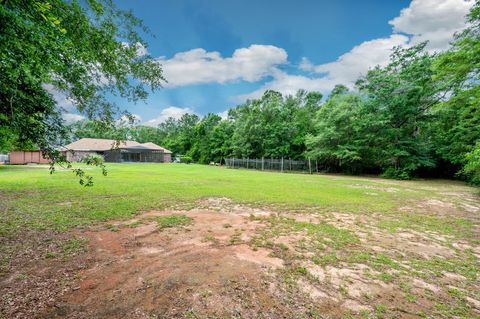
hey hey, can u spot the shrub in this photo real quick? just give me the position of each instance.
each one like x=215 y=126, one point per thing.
x=186 y=159
x=93 y=159
x=472 y=168
x=396 y=173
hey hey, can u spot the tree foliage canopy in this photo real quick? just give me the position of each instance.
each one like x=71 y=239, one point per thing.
x=419 y=114
x=86 y=50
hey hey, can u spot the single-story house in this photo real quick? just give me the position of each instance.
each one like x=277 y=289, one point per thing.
x=27 y=157
x=125 y=151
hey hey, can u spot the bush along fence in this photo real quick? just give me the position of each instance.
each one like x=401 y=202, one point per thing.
x=274 y=164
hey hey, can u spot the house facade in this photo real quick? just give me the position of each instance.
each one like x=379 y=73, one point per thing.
x=125 y=151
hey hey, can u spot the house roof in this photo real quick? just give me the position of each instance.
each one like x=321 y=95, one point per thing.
x=154 y=146
x=98 y=144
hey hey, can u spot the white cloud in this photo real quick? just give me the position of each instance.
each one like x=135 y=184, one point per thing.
x=64 y=103
x=223 y=115
x=71 y=118
x=349 y=66
x=199 y=66
x=290 y=84
x=345 y=70
x=166 y=113
x=141 y=49
x=125 y=120
x=306 y=65
x=432 y=20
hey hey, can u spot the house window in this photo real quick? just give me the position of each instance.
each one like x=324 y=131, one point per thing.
x=131 y=157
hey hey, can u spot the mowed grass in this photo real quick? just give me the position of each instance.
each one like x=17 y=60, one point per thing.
x=330 y=221
x=32 y=198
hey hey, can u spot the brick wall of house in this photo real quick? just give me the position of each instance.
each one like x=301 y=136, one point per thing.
x=167 y=158
x=26 y=157
x=77 y=156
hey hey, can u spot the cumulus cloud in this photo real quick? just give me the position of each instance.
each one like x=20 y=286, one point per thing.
x=125 y=120
x=290 y=84
x=71 y=118
x=223 y=115
x=166 y=113
x=198 y=66
x=432 y=20
x=345 y=70
x=349 y=66
x=64 y=103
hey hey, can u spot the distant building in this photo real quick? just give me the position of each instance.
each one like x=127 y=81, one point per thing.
x=27 y=157
x=126 y=151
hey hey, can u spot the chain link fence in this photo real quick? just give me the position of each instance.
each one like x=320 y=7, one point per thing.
x=274 y=164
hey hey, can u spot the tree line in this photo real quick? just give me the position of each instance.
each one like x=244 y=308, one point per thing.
x=417 y=116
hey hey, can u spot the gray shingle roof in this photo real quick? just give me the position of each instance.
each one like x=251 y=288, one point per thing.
x=98 y=144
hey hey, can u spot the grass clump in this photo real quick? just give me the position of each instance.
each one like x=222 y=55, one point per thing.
x=422 y=222
x=73 y=246
x=301 y=270
x=170 y=221
x=323 y=260
x=323 y=234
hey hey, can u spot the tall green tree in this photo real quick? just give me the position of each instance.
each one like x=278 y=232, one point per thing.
x=144 y=134
x=178 y=135
x=337 y=142
x=203 y=147
x=221 y=141
x=400 y=97
x=304 y=106
x=274 y=125
x=86 y=50
x=457 y=131
x=93 y=129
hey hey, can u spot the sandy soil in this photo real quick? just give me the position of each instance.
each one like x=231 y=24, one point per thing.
x=204 y=269
x=214 y=268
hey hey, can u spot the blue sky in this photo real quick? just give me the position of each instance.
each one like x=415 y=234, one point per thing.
x=217 y=53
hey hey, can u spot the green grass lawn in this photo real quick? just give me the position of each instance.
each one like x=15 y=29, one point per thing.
x=357 y=221
x=32 y=198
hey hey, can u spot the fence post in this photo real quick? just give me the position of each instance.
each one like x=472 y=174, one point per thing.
x=309 y=165
x=262 y=163
x=248 y=161
x=282 y=164
x=316 y=165
x=290 y=161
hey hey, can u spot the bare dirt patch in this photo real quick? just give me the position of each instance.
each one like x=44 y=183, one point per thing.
x=226 y=260
x=205 y=269
x=402 y=270
x=40 y=266
x=374 y=187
